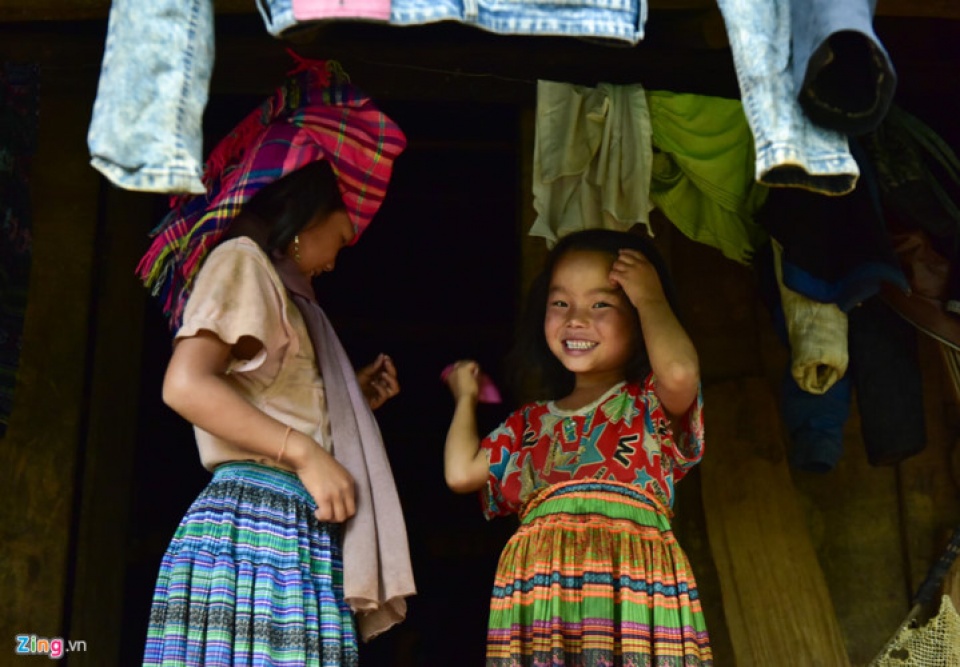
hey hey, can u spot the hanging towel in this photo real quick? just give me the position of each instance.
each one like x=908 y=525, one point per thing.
x=592 y=159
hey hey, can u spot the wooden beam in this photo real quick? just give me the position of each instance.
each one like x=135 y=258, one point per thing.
x=73 y=10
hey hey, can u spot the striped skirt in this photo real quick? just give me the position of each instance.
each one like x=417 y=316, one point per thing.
x=594 y=577
x=251 y=579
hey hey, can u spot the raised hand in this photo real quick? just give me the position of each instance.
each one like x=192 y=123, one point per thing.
x=378 y=381
x=464 y=379
x=638 y=278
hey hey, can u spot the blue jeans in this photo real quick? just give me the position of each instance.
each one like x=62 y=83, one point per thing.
x=790 y=149
x=841 y=72
x=146 y=132
x=621 y=20
x=277 y=15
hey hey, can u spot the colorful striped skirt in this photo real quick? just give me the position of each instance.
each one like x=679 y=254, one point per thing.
x=251 y=579
x=594 y=577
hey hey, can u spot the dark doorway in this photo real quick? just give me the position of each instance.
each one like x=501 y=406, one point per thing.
x=434 y=279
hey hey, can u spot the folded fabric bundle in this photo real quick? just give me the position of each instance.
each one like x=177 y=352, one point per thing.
x=817 y=335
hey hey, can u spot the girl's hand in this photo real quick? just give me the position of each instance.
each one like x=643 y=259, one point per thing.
x=464 y=380
x=637 y=277
x=327 y=482
x=378 y=381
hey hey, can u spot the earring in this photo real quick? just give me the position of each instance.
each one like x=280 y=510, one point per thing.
x=296 y=248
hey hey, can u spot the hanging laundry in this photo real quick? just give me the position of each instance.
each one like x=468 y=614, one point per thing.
x=883 y=371
x=620 y=21
x=888 y=383
x=146 y=131
x=842 y=73
x=286 y=18
x=813 y=422
x=312 y=10
x=915 y=168
x=605 y=156
x=703 y=171
x=791 y=150
x=592 y=158
x=835 y=249
x=816 y=335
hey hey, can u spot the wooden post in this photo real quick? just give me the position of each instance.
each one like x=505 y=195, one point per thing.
x=107 y=476
x=776 y=602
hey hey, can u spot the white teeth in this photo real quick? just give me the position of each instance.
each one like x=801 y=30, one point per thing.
x=579 y=344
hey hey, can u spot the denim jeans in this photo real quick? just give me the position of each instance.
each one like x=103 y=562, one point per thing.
x=277 y=15
x=621 y=20
x=791 y=150
x=842 y=74
x=146 y=131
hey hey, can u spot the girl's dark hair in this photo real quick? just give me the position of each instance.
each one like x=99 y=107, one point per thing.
x=536 y=373
x=281 y=209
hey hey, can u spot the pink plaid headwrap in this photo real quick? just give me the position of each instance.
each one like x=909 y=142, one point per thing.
x=308 y=118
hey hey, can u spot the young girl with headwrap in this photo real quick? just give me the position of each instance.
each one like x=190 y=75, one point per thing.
x=297 y=545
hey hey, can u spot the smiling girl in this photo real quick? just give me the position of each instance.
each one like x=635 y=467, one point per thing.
x=594 y=575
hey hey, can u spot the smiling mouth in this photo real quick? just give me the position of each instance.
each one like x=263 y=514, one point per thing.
x=579 y=344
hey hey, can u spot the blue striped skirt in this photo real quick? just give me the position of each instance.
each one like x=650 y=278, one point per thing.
x=251 y=579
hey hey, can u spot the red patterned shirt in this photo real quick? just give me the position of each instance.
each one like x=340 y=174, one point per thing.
x=625 y=435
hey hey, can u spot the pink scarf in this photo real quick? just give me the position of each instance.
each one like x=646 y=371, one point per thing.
x=377 y=575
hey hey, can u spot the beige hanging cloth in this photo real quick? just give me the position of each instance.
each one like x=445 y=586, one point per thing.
x=592 y=158
x=817 y=333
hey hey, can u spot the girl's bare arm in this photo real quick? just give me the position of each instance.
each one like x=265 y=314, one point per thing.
x=673 y=357
x=195 y=387
x=465 y=467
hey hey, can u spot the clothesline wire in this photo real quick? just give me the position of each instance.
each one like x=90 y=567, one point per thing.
x=416 y=68
x=437 y=70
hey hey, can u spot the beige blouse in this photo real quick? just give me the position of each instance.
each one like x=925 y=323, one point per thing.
x=238 y=293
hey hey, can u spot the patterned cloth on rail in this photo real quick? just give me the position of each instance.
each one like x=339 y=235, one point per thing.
x=594 y=577
x=251 y=578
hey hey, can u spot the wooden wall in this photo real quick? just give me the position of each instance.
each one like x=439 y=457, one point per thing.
x=68 y=457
